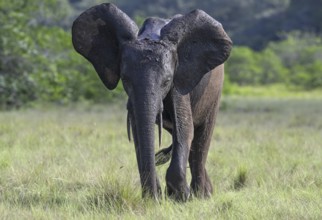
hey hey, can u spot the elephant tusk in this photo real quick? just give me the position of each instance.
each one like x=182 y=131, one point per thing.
x=160 y=125
x=128 y=120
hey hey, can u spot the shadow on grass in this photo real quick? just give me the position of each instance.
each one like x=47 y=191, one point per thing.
x=114 y=196
x=29 y=200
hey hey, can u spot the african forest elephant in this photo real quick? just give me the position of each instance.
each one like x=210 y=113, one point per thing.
x=172 y=71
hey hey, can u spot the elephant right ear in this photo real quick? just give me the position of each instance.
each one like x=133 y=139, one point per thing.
x=98 y=33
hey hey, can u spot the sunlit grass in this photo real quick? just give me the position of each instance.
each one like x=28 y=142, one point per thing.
x=76 y=163
x=280 y=91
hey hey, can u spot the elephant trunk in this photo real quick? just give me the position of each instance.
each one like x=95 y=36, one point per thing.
x=145 y=112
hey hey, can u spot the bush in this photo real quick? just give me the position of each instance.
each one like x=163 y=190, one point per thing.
x=38 y=62
x=243 y=66
x=295 y=61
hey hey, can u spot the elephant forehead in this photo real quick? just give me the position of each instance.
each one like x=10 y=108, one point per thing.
x=146 y=49
x=146 y=60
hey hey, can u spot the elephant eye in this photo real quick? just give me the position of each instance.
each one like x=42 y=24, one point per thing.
x=125 y=80
x=166 y=82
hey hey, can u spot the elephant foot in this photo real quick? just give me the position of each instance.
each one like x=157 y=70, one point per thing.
x=202 y=189
x=177 y=187
x=149 y=192
x=201 y=192
x=181 y=195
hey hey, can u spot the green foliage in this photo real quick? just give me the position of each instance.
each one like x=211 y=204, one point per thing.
x=272 y=69
x=37 y=60
x=243 y=66
x=301 y=54
x=68 y=76
x=247 y=67
x=296 y=62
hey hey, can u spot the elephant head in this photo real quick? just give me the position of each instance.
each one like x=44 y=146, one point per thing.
x=181 y=51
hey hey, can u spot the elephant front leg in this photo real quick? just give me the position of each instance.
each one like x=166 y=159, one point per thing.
x=182 y=134
x=177 y=187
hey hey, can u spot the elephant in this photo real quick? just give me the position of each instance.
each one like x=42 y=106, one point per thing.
x=172 y=72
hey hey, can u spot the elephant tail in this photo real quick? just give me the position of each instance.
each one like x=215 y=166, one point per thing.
x=163 y=156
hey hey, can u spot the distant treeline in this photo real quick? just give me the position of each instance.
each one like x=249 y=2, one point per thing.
x=249 y=22
x=38 y=62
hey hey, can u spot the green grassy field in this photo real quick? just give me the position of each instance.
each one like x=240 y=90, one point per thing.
x=75 y=162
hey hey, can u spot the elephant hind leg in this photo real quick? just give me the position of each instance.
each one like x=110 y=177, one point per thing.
x=200 y=182
x=202 y=188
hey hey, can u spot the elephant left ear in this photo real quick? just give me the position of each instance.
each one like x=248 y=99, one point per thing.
x=202 y=44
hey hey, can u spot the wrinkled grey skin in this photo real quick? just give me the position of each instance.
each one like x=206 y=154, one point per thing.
x=172 y=73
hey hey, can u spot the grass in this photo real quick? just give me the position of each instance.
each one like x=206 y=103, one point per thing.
x=76 y=163
x=273 y=90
